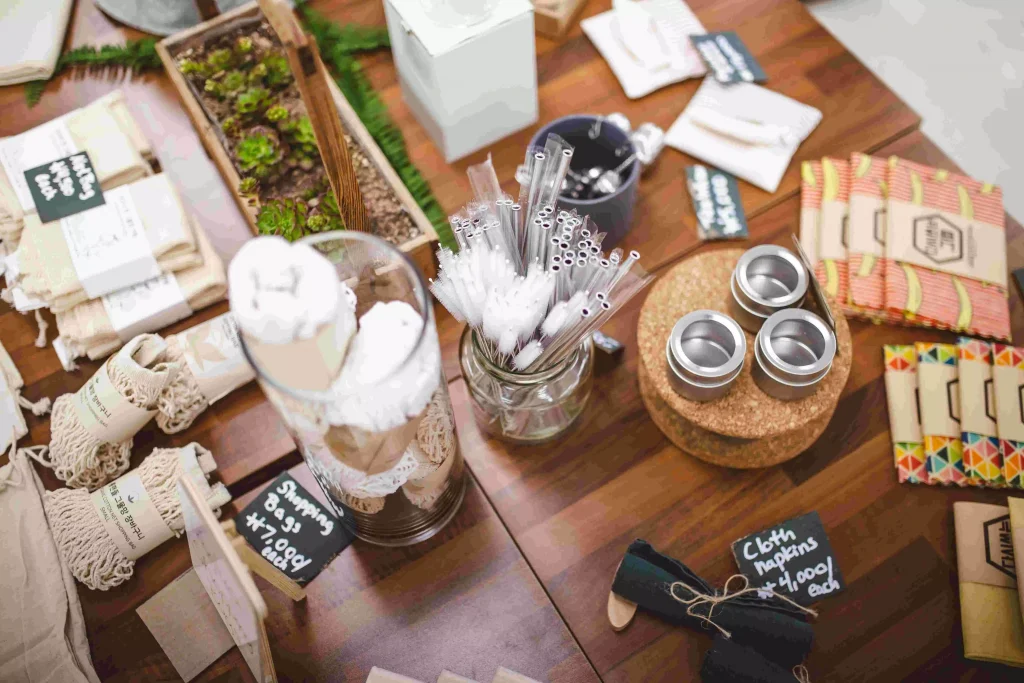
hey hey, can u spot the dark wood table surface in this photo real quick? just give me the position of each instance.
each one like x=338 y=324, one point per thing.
x=520 y=577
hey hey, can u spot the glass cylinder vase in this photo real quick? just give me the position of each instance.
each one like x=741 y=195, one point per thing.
x=383 y=449
x=526 y=407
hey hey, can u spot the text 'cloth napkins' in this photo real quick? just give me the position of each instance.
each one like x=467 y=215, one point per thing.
x=747 y=130
x=647 y=44
x=33 y=32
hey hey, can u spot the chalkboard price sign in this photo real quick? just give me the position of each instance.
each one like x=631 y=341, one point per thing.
x=291 y=530
x=64 y=187
x=793 y=559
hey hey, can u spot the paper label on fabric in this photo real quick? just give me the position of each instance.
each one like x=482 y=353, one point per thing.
x=41 y=145
x=1007 y=381
x=984 y=544
x=939 y=397
x=867 y=225
x=107 y=415
x=977 y=398
x=146 y=307
x=213 y=353
x=901 y=397
x=945 y=241
x=809 y=233
x=832 y=236
x=108 y=246
x=129 y=516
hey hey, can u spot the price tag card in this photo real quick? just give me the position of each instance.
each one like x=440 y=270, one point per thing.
x=291 y=530
x=793 y=559
x=64 y=187
x=716 y=201
x=728 y=59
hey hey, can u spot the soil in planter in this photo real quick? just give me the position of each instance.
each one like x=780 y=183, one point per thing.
x=241 y=78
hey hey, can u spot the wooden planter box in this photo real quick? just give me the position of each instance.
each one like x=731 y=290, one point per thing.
x=420 y=249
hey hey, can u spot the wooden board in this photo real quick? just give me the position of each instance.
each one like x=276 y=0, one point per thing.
x=552 y=18
x=420 y=249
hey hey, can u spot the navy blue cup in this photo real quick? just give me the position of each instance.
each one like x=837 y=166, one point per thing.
x=612 y=213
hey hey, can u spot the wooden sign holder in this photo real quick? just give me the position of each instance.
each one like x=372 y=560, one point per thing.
x=259 y=566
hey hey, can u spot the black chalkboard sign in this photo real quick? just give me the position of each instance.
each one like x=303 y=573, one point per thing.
x=64 y=187
x=716 y=201
x=793 y=559
x=291 y=530
x=727 y=58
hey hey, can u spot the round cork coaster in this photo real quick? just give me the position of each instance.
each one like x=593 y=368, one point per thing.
x=746 y=412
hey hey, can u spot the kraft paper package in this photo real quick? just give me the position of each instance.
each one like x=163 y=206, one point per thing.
x=939 y=399
x=101 y=250
x=990 y=609
x=1007 y=378
x=866 y=232
x=42 y=632
x=99 y=327
x=105 y=129
x=831 y=267
x=983 y=462
x=904 y=425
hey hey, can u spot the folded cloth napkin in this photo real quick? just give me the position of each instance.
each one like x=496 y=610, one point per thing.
x=744 y=129
x=101 y=250
x=42 y=630
x=105 y=129
x=98 y=327
x=729 y=662
x=647 y=44
x=33 y=32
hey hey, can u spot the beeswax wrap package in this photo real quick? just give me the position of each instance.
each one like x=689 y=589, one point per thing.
x=831 y=267
x=946 y=251
x=1008 y=377
x=810 y=209
x=990 y=611
x=982 y=460
x=904 y=420
x=1016 y=506
x=867 y=225
x=939 y=398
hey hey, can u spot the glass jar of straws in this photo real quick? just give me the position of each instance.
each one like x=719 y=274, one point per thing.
x=526 y=407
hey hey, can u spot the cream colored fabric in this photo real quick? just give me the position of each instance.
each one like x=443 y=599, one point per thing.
x=42 y=630
x=106 y=130
x=87 y=331
x=33 y=33
x=48 y=273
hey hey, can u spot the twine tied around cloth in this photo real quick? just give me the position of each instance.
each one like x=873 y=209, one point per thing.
x=801 y=674
x=713 y=600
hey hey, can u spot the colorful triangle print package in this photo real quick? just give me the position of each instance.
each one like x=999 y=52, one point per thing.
x=810 y=209
x=939 y=399
x=946 y=251
x=1008 y=378
x=983 y=462
x=831 y=266
x=904 y=421
x=866 y=235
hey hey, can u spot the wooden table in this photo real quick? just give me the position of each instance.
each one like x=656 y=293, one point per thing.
x=520 y=576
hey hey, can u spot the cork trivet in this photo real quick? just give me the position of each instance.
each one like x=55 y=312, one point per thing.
x=746 y=412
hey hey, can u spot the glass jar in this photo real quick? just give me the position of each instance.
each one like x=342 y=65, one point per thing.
x=383 y=449
x=526 y=407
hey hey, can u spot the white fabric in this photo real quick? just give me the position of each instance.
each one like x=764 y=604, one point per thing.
x=33 y=33
x=644 y=56
x=743 y=129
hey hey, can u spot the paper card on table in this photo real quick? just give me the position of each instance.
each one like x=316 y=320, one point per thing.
x=866 y=234
x=831 y=269
x=289 y=528
x=716 y=201
x=728 y=59
x=64 y=187
x=990 y=611
x=982 y=460
x=1007 y=379
x=904 y=413
x=939 y=398
x=185 y=624
x=794 y=559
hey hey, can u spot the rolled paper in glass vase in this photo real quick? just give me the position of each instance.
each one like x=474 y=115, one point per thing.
x=341 y=333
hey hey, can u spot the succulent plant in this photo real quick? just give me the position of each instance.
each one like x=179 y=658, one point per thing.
x=243 y=45
x=233 y=81
x=302 y=137
x=221 y=59
x=248 y=186
x=191 y=67
x=325 y=216
x=256 y=74
x=276 y=113
x=258 y=155
x=214 y=87
x=229 y=126
x=285 y=217
x=278 y=74
x=251 y=101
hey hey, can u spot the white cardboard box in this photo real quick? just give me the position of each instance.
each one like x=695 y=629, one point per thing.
x=468 y=86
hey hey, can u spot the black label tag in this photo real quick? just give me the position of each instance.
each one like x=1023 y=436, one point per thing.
x=64 y=187
x=728 y=59
x=716 y=201
x=793 y=559
x=292 y=530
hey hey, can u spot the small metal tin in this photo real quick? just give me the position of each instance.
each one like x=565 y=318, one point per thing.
x=793 y=353
x=705 y=354
x=767 y=278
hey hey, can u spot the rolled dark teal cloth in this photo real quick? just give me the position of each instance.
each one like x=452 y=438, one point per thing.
x=769 y=625
x=729 y=662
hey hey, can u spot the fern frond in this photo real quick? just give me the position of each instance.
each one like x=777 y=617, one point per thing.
x=135 y=55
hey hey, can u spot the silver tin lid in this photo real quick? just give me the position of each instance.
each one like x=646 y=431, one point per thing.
x=769 y=278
